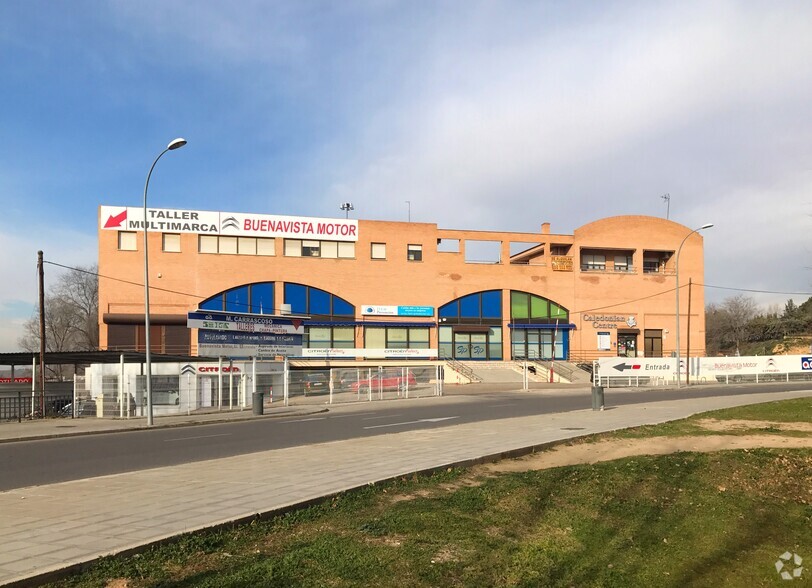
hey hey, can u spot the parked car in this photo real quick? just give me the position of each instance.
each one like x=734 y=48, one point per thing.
x=309 y=383
x=386 y=382
x=316 y=382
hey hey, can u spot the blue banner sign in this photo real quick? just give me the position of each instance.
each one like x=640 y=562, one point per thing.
x=244 y=323
x=225 y=344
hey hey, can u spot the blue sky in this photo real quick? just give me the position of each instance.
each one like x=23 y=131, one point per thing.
x=484 y=115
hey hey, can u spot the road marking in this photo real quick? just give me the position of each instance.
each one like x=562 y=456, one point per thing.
x=381 y=417
x=344 y=416
x=305 y=420
x=198 y=437
x=437 y=420
x=495 y=405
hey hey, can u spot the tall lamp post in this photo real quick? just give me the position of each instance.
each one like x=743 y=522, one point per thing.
x=176 y=144
x=703 y=227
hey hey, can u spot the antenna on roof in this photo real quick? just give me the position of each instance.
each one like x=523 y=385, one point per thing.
x=667 y=198
x=347 y=207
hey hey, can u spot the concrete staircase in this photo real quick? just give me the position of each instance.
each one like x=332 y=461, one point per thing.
x=511 y=371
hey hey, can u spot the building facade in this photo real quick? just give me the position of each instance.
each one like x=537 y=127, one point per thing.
x=607 y=289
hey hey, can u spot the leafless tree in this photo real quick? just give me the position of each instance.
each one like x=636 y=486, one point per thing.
x=71 y=316
x=738 y=311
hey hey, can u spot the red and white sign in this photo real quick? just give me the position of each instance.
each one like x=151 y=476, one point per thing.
x=164 y=220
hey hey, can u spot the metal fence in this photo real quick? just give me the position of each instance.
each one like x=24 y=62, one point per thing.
x=15 y=407
x=123 y=395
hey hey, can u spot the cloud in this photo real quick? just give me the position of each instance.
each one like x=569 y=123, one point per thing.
x=503 y=122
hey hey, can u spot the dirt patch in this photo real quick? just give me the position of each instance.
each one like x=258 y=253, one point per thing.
x=619 y=448
x=740 y=424
x=117 y=583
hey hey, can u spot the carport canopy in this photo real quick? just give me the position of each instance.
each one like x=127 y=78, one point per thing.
x=25 y=358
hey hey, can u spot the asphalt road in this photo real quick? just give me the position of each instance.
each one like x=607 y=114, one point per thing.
x=29 y=463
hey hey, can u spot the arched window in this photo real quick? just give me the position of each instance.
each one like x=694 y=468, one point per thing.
x=471 y=326
x=319 y=304
x=528 y=308
x=250 y=298
x=323 y=308
x=478 y=308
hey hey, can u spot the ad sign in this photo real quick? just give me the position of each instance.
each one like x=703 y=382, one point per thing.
x=165 y=220
x=216 y=344
x=376 y=310
x=224 y=321
x=371 y=353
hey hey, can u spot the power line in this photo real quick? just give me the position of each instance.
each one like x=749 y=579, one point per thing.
x=756 y=291
x=572 y=312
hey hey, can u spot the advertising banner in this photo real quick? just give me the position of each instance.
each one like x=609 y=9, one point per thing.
x=242 y=345
x=373 y=310
x=166 y=220
x=371 y=353
x=224 y=321
x=705 y=368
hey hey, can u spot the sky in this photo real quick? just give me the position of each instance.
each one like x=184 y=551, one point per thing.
x=492 y=115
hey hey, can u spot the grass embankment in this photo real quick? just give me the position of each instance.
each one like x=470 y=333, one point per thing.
x=764 y=418
x=688 y=519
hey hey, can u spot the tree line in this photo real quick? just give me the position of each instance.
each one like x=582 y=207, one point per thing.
x=737 y=326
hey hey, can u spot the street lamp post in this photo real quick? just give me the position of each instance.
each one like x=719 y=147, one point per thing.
x=176 y=144
x=703 y=227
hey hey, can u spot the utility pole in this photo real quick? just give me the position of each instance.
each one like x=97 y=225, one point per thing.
x=688 y=342
x=41 y=274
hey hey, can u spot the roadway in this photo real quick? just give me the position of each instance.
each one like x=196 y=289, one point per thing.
x=47 y=461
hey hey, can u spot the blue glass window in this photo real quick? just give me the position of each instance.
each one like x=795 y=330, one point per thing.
x=474 y=307
x=469 y=306
x=296 y=296
x=342 y=307
x=262 y=298
x=316 y=302
x=319 y=302
x=237 y=299
x=492 y=304
x=213 y=303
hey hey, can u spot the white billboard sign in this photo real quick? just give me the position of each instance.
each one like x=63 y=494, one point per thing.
x=338 y=353
x=708 y=369
x=128 y=218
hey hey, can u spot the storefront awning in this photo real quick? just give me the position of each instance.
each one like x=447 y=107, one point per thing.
x=366 y=324
x=471 y=328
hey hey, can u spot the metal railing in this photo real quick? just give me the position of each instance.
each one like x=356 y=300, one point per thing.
x=16 y=407
x=461 y=368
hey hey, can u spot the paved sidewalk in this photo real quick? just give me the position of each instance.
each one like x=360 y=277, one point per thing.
x=45 y=529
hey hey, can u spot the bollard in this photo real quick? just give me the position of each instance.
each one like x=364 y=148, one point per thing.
x=597 y=397
x=257 y=403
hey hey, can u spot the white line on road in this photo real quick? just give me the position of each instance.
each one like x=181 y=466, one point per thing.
x=344 y=416
x=305 y=420
x=510 y=404
x=381 y=417
x=437 y=420
x=198 y=437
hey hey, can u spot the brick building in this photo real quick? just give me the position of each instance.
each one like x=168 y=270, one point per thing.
x=606 y=289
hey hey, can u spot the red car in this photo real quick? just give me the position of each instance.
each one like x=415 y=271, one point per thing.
x=385 y=382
